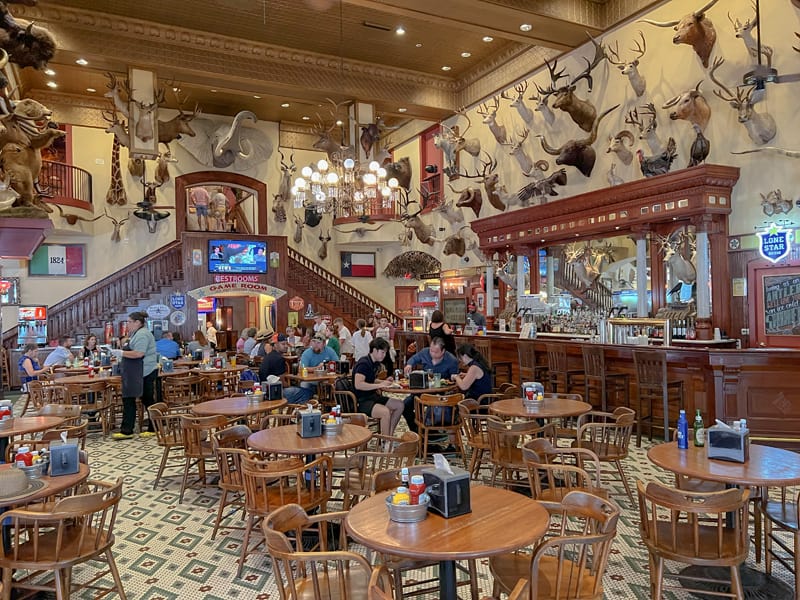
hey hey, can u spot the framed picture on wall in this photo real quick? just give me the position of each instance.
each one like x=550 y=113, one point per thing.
x=60 y=260
x=358 y=264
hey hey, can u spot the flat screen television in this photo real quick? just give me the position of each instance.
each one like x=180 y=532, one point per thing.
x=237 y=256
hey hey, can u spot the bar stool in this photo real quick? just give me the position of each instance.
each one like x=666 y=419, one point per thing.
x=558 y=369
x=595 y=373
x=485 y=348
x=528 y=369
x=652 y=384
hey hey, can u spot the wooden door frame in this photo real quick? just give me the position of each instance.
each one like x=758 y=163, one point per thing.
x=756 y=271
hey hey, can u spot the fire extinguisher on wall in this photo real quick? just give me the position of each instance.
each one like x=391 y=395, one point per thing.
x=108 y=332
x=123 y=329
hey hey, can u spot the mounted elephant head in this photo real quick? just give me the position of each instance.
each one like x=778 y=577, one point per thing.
x=228 y=145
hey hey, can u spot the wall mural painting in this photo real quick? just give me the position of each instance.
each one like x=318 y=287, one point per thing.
x=220 y=207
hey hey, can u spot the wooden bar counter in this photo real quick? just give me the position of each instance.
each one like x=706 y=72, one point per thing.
x=761 y=385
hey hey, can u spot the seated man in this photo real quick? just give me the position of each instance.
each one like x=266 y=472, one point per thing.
x=167 y=347
x=317 y=354
x=433 y=358
x=370 y=401
x=61 y=354
x=274 y=364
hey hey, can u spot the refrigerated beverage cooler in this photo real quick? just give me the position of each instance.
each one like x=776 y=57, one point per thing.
x=32 y=325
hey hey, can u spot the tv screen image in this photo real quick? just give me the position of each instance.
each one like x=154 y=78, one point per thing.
x=237 y=256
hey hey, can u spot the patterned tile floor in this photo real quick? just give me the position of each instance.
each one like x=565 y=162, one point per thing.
x=164 y=549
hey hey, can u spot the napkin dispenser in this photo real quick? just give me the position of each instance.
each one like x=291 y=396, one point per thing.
x=63 y=457
x=272 y=391
x=418 y=379
x=448 y=492
x=309 y=423
x=343 y=367
x=724 y=443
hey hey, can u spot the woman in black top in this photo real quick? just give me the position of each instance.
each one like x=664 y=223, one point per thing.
x=368 y=388
x=438 y=328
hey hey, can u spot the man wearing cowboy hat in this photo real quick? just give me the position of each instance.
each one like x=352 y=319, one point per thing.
x=262 y=345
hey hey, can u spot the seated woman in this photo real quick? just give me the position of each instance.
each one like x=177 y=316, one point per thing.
x=198 y=343
x=477 y=379
x=370 y=401
x=90 y=349
x=28 y=365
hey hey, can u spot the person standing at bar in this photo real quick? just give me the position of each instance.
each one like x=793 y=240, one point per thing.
x=477 y=318
x=211 y=334
x=139 y=371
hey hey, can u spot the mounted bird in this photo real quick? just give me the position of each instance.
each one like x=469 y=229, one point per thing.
x=658 y=164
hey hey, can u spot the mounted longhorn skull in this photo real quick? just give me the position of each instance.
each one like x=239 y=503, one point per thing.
x=72 y=219
x=693 y=29
x=323 y=249
x=578 y=153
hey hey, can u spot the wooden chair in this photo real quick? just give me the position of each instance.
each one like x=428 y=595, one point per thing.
x=329 y=570
x=271 y=484
x=691 y=528
x=218 y=384
x=781 y=518
x=169 y=435
x=474 y=433
x=95 y=397
x=559 y=372
x=608 y=435
x=5 y=366
x=379 y=587
x=70 y=413
x=42 y=393
x=653 y=385
x=197 y=449
x=181 y=389
x=59 y=536
x=361 y=466
x=596 y=376
x=568 y=565
x=554 y=472
x=505 y=449
x=438 y=413
x=228 y=445
x=484 y=346
x=529 y=370
x=349 y=404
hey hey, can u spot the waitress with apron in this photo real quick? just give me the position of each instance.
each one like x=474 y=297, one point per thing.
x=139 y=370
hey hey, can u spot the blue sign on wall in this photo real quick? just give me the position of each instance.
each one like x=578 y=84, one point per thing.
x=178 y=301
x=775 y=243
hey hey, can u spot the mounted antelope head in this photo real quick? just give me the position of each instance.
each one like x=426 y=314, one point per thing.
x=617 y=145
x=760 y=126
x=646 y=125
x=582 y=112
x=278 y=208
x=693 y=29
x=489 y=114
x=690 y=106
x=744 y=31
x=298 y=229
x=287 y=172
x=115 y=234
x=631 y=67
x=578 y=153
x=519 y=102
x=323 y=249
x=518 y=152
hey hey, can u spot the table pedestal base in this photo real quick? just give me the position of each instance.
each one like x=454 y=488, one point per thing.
x=756 y=585
x=447 y=580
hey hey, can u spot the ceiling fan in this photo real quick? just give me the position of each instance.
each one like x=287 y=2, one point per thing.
x=762 y=74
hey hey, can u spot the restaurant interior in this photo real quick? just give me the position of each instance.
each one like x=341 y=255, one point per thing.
x=601 y=179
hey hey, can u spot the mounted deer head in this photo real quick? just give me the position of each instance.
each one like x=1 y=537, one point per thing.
x=117 y=127
x=631 y=67
x=582 y=112
x=145 y=124
x=760 y=127
x=646 y=125
x=744 y=31
x=178 y=125
x=489 y=114
x=542 y=107
x=682 y=268
x=693 y=29
x=519 y=102
x=490 y=181
x=115 y=89
x=518 y=152
x=451 y=213
x=471 y=146
x=413 y=222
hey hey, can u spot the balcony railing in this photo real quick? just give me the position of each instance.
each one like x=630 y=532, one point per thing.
x=65 y=184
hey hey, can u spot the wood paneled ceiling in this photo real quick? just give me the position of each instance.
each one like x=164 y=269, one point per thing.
x=230 y=55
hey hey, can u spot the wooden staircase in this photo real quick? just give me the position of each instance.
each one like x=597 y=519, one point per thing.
x=328 y=293
x=597 y=297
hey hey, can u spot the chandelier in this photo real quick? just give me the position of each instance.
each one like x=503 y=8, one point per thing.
x=339 y=187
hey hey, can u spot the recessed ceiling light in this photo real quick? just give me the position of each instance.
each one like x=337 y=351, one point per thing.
x=256 y=97
x=418 y=45
x=52 y=84
x=446 y=68
x=488 y=38
x=402 y=109
x=339 y=123
x=82 y=62
x=91 y=90
x=285 y=105
x=213 y=91
x=400 y=30
x=49 y=72
x=526 y=27
x=466 y=54
x=176 y=89
x=306 y=118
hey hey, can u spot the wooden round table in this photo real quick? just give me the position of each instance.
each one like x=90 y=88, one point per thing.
x=549 y=408
x=285 y=440
x=52 y=485
x=314 y=377
x=81 y=379
x=501 y=521
x=23 y=425
x=236 y=406
x=768 y=466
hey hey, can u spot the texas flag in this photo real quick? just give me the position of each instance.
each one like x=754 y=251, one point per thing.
x=53 y=259
x=355 y=264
